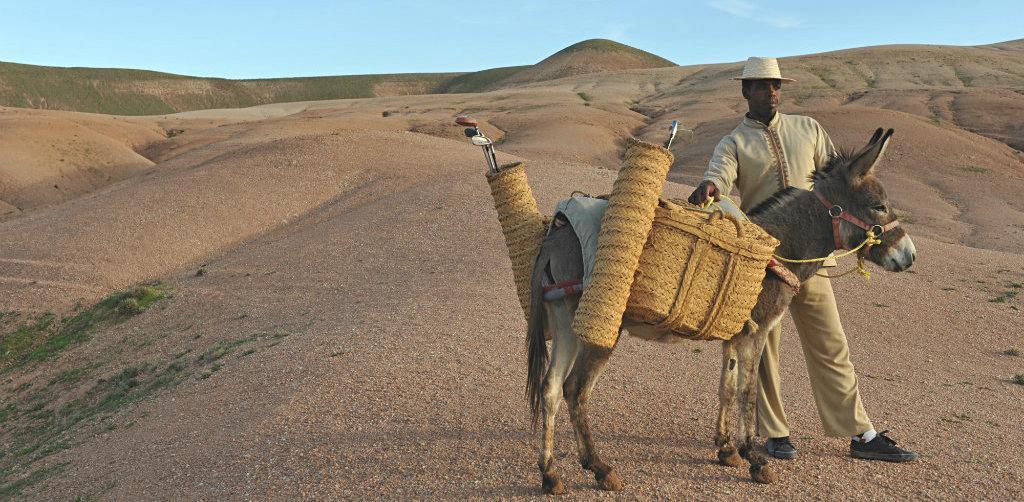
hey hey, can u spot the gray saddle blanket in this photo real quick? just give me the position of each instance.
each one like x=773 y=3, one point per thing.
x=584 y=214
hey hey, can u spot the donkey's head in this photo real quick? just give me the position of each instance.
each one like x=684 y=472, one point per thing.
x=857 y=200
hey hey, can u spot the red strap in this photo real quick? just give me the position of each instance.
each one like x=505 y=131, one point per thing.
x=838 y=213
x=564 y=284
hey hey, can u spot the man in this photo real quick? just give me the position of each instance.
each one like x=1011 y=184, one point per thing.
x=769 y=151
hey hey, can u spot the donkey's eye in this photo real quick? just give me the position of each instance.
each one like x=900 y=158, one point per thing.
x=880 y=208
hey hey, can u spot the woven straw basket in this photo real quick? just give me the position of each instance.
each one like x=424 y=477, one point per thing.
x=624 y=230
x=699 y=274
x=521 y=223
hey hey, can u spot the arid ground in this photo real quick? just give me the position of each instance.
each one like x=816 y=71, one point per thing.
x=313 y=299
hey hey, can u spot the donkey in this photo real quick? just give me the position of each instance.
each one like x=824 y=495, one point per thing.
x=847 y=201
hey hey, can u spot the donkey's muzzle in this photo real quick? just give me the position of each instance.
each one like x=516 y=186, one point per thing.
x=900 y=256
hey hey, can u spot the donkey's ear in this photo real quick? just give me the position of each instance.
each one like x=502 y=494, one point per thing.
x=871 y=142
x=874 y=137
x=872 y=154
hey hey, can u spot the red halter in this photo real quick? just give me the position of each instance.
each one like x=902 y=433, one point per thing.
x=837 y=213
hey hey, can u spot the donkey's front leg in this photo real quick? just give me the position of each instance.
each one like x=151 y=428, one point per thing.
x=749 y=350
x=564 y=348
x=727 y=454
x=588 y=368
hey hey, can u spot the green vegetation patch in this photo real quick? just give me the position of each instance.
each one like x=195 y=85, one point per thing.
x=127 y=386
x=958 y=418
x=970 y=168
x=41 y=339
x=823 y=74
x=42 y=430
x=17 y=343
x=962 y=76
x=9 y=490
x=41 y=426
x=73 y=375
x=1004 y=297
x=39 y=421
x=225 y=347
x=8 y=411
x=479 y=80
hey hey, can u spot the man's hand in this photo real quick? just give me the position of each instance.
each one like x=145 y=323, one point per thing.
x=706 y=190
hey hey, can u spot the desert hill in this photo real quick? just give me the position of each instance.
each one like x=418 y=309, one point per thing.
x=141 y=92
x=589 y=56
x=974 y=88
x=52 y=157
x=313 y=299
x=1010 y=45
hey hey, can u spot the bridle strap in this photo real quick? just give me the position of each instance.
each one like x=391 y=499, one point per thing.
x=838 y=213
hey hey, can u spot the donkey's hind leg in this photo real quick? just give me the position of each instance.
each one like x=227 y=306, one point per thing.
x=749 y=350
x=727 y=454
x=590 y=363
x=564 y=348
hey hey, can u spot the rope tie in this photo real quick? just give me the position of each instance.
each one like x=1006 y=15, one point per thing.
x=870 y=239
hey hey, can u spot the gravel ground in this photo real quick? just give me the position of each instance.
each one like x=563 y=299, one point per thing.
x=384 y=353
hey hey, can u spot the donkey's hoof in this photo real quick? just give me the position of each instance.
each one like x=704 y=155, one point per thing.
x=763 y=474
x=729 y=457
x=610 y=482
x=552 y=484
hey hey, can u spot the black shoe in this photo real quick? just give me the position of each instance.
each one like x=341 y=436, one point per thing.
x=881 y=448
x=780 y=448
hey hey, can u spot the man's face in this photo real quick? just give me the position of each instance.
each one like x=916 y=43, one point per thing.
x=763 y=96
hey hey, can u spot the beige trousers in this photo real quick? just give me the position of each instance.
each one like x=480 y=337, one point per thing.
x=833 y=380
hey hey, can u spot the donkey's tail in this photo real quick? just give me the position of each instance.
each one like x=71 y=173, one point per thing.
x=536 y=348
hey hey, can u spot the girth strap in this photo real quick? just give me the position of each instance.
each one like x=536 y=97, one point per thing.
x=786 y=275
x=560 y=290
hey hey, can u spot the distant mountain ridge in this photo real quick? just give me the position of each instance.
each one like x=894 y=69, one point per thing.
x=143 y=92
x=589 y=56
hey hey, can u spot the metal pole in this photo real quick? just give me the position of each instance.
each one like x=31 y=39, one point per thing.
x=672 y=129
x=477 y=137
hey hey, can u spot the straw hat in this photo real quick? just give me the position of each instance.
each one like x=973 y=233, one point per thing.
x=762 y=68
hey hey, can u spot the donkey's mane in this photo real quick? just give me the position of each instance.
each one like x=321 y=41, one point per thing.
x=777 y=199
x=840 y=158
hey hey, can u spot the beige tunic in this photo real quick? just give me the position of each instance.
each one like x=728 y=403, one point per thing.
x=761 y=159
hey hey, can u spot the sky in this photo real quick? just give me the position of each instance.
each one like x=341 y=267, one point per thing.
x=260 y=38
